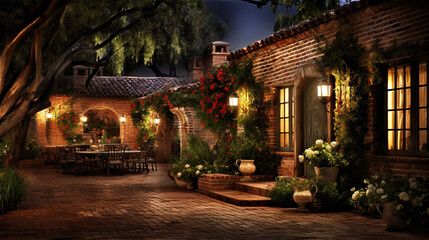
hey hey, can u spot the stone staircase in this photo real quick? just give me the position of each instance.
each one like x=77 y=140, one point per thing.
x=229 y=189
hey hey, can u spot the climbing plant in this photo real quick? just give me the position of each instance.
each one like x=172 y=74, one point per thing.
x=67 y=122
x=347 y=61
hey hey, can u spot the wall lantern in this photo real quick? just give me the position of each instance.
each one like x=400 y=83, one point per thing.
x=156 y=121
x=83 y=119
x=122 y=118
x=323 y=90
x=233 y=101
x=48 y=115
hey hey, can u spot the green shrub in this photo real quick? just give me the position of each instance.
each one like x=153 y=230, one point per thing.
x=4 y=149
x=12 y=188
x=31 y=149
x=282 y=194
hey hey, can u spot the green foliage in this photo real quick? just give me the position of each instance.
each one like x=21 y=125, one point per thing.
x=12 y=188
x=4 y=147
x=347 y=61
x=410 y=197
x=328 y=197
x=324 y=155
x=31 y=149
x=282 y=194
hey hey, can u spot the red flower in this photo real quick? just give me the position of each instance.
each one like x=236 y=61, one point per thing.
x=216 y=120
x=67 y=116
x=203 y=123
x=226 y=89
x=216 y=115
x=229 y=153
x=212 y=87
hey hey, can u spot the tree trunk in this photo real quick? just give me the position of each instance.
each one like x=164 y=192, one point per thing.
x=17 y=137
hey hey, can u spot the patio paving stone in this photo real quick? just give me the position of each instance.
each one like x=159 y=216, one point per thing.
x=140 y=206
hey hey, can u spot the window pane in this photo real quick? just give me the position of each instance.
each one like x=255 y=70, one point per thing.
x=282 y=95
x=408 y=76
x=422 y=74
x=408 y=98
x=287 y=110
x=390 y=120
x=400 y=140
x=423 y=94
x=399 y=77
x=286 y=125
x=282 y=110
x=400 y=98
x=399 y=119
x=390 y=78
x=286 y=140
x=293 y=108
x=423 y=120
x=282 y=125
x=287 y=95
x=293 y=126
x=407 y=119
x=390 y=99
x=282 y=140
x=423 y=140
x=407 y=140
x=391 y=140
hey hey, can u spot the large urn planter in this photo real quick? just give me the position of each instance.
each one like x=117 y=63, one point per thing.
x=393 y=222
x=180 y=183
x=247 y=168
x=327 y=174
x=303 y=197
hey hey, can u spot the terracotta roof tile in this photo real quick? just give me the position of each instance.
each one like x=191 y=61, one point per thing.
x=104 y=86
x=301 y=27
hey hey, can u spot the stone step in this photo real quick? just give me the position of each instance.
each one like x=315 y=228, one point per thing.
x=239 y=198
x=258 y=188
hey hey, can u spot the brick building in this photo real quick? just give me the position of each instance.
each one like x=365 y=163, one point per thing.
x=285 y=62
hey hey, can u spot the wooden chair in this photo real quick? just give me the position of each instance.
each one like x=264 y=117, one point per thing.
x=81 y=161
x=151 y=157
x=60 y=158
x=115 y=158
x=138 y=160
x=70 y=160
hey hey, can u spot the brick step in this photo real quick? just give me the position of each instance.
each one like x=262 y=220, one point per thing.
x=258 y=188
x=31 y=163
x=239 y=198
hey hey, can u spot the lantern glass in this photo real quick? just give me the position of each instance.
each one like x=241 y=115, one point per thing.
x=48 y=115
x=122 y=118
x=233 y=100
x=84 y=119
x=156 y=121
x=323 y=90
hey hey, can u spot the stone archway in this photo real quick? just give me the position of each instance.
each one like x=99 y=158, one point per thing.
x=101 y=117
x=183 y=120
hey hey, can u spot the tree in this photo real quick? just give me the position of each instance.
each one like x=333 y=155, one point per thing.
x=44 y=37
x=302 y=9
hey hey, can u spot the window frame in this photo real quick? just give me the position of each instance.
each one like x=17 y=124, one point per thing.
x=291 y=119
x=414 y=116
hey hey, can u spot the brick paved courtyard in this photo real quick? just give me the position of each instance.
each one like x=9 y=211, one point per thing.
x=137 y=206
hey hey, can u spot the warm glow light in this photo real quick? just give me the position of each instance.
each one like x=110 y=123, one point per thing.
x=84 y=119
x=323 y=90
x=48 y=115
x=233 y=100
x=156 y=121
x=122 y=118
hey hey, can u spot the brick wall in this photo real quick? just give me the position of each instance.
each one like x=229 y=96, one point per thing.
x=279 y=63
x=216 y=181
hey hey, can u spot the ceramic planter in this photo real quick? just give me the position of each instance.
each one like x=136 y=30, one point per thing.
x=247 y=168
x=392 y=221
x=303 y=197
x=327 y=174
x=180 y=183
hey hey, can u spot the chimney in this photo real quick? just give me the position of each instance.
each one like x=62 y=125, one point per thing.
x=195 y=69
x=81 y=73
x=216 y=53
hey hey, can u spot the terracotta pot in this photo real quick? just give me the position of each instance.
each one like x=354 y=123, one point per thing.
x=303 y=197
x=327 y=174
x=189 y=186
x=247 y=168
x=180 y=183
x=392 y=221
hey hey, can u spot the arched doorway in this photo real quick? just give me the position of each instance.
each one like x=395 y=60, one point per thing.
x=102 y=125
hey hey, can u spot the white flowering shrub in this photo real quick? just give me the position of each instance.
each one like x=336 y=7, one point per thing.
x=410 y=197
x=323 y=154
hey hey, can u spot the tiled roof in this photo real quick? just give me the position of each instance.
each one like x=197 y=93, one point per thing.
x=301 y=27
x=103 y=86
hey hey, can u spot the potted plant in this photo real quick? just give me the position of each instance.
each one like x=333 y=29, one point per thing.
x=245 y=151
x=398 y=200
x=326 y=158
x=302 y=194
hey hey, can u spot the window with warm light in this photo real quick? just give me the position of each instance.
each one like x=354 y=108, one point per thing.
x=407 y=108
x=285 y=119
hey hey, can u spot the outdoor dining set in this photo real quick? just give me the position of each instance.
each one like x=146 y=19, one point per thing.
x=81 y=159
